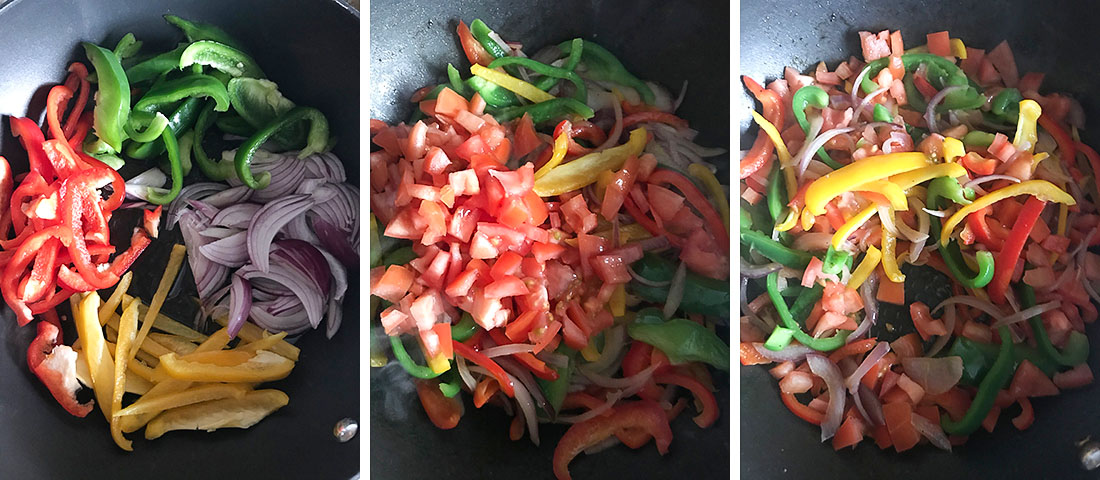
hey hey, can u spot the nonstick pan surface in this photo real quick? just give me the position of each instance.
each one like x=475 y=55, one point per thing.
x=668 y=42
x=311 y=49
x=1048 y=38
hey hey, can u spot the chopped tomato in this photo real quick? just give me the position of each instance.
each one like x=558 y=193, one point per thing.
x=899 y=422
x=393 y=284
x=507 y=286
x=939 y=43
x=908 y=346
x=1075 y=377
x=891 y=292
x=1029 y=381
x=849 y=434
x=526 y=139
x=749 y=355
x=922 y=319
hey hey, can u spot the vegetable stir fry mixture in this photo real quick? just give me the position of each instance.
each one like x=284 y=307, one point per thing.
x=287 y=222
x=547 y=237
x=943 y=157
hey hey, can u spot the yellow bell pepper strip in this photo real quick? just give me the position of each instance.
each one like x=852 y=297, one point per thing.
x=893 y=193
x=617 y=304
x=785 y=165
x=589 y=352
x=195 y=394
x=167 y=325
x=100 y=363
x=262 y=344
x=850 y=227
x=916 y=177
x=173 y=343
x=126 y=329
x=958 y=48
x=866 y=266
x=226 y=366
x=561 y=146
x=1026 y=136
x=582 y=171
x=225 y=413
x=879 y=167
x=175 y=260
x=889 y=258
x=439 y=364
x=520 y=87
x=250 y=332
x=108 y=308
x=703 y=174
x=1041 y=189
x=953 y=148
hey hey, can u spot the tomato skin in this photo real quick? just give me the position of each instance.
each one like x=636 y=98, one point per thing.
x=577 y=215
x=507 y=286
x=442 y=411
x=393 y=284
x=899 y=422
x=1029 y=381
x=526 y=140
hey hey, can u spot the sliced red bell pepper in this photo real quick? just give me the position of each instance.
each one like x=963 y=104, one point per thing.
x=442 y=411
x=7 y=183
x=1013 y=247
x=1063 y=138
x=538 y=367
x=62 y=388
x=982 y=232
x=41 y=278
x=14 y=270
x=697 y=200
x=802 y=411
x=759 y=157
x=709 y=413
x=477 y=357
x=31 y=137
x=78 y=77
x=645 y=415
x=73 y=192
x=659 y=117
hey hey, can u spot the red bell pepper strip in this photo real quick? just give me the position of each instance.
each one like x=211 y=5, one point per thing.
x=572 y=147
x=709 y=413
x=442 y=411
x=475 y=356
x=33 y=186
x=697 y=200
x=1013 y=247
x=1090 y=154
x=49 y=336
x=47 y=305
x=802 y=411
x=73 y=192
x=538 y=367
x=586 y=130
x=1062 y=137
x=645 y=415
x=13 y=271
x=475 y=53
x=31 y=137
x=41 y=278
x=659 y=117
x=105 y=175
x=78 y=74
x=760 y=156
x=7 y=183
x=982 y=233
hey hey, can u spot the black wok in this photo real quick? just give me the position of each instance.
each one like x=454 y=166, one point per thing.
x=775 y=443
x=311 y=48
x=667 y=42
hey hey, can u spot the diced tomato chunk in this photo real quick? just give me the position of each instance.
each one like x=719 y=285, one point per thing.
x=546 y=251
x=464 y=182
x=899 y=422
x=507 y=264
x=508 y=286
x=393 y=284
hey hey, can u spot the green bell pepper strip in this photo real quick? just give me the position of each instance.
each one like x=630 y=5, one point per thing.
x=835 y=260
x=821 y=344
x=185 y=144
x=418 y=371
x=181 y=119
x=192 y=85
x=154 y=67
x=112 y=101
x=978 y=138
x=451 y=383
x=549 y=71
x=602 y=65
x=543 y=112
x=127 y=46
x=882 y=114
x=258 y=101
x=948 y=188
x=1076 y=350
x=811 y=96
x=217 y=170
x=775 y=251
x=464 y=329
x=683 y=341
x=221 y=57
x=456 y=82
x=979 y=357
x=198 y=31
x=172 y=146
x=915 y=99
x=746 y=219
x=153 y=124
x=777 y=193
x=401 y=256
x=317 y=142
x=481 y=33
x=701 y=294
x=779 y=338
x=556 y=390
x=1006 y=105
x=376 y=249
x=994 y=380
x=965 y=99
x=804 y=304
x=494 y=95
x=575 y=51
x=234 y=125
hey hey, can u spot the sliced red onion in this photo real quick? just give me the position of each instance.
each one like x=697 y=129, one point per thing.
x=757 y=271
x=830 y=373
x=189 y=192
x=204 y=209
x=296 y=281
x=335 y=313
x=651 y=243
x=267 y=222
x=527 y=406
x=237 y=215
x=619 y=383
x=209 y=276
x=870 y=307
x=229 y=251
x=336 y=241
x=229 y=196
x=1027 y=313
x=675 y=291
x=617 y=129
x=949 y=318
x=791 y=353
x=930 y=112
x=1084 y=243
x=935 y=213
x=683 y=93
x=857 y=86
x=219 y=232
x=933 y=432
x=644 y=281
x=816 y=144
x=526 y=379
x=614 y=343
x=983 y=305
x=306 y=258
x=240 y=302
x=612 y=398
x=869 y=405
x=990 y=178
x=511 y=349
x=149 y=180
x=864 y=103
x=464 y=373
x=292 y=323
x=935 y=375
x=553 y=359
x=869 y=361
